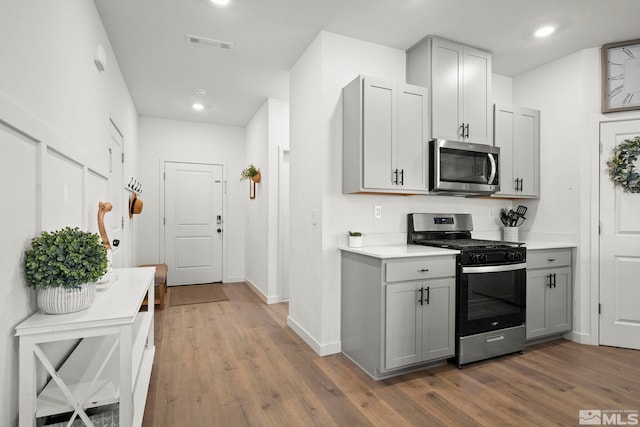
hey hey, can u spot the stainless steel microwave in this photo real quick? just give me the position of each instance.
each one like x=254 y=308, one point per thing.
x=461 y=168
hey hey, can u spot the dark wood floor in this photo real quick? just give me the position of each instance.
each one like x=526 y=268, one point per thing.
x=236 y=363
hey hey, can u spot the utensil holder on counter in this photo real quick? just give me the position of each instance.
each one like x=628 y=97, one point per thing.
x=510 y=234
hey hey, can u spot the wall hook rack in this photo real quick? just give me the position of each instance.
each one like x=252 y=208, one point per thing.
x=134 y=186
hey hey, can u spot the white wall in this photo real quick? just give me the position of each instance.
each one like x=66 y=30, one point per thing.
x=54 y=127
x=320 y=213
x=567 y=91
x=162 y=140
x=267 y=130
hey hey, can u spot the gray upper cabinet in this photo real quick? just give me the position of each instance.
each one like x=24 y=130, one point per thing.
x=517 y=133
x=384 y=137
x=459 y=81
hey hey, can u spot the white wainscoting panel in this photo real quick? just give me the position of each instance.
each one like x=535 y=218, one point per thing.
x=97 y=190
x=62 y=191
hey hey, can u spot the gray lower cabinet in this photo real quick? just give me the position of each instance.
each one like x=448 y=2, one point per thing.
x=549 y=293
x=397 y=314
x=419 y=319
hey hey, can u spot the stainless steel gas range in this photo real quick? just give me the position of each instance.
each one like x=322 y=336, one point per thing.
x=490 y=285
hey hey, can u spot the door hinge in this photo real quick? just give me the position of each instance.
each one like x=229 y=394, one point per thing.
x=599 y=308
x=164 y=175
x=164 y=221
x=122 y=222
x=599 y=227
x=122 y=157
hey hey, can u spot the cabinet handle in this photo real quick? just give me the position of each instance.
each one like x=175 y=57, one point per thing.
x=554 y=280
x=467 y=133
x=421 y=295
x=428 y=295
x=551 y=259
x=516 y=185
x=423 y=270
x=401 y=176
x=462 y=130
x=394 y=178
x=548 y=283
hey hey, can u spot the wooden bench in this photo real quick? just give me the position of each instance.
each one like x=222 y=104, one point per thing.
x=161 y=284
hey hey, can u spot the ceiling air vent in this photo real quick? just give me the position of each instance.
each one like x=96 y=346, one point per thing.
x=206 y=42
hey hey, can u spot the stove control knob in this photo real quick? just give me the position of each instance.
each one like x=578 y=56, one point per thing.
x=514 y=256
x=477 y=257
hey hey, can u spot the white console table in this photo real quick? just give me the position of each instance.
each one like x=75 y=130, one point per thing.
x=111 y=364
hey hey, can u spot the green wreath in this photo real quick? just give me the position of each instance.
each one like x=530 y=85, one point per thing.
x=621 y=166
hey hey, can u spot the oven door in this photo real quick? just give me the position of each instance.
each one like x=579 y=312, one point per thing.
x=491 y=297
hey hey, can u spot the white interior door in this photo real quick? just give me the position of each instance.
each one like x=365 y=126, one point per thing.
x=193 y=223
x=114 y=220
x=619 y=247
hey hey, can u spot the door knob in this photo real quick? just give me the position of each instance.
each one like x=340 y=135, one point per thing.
x=219 y=230
x=116 y=242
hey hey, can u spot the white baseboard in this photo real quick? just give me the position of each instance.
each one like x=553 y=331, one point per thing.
x=580 y=338
x=265 y=299
x=320 y=349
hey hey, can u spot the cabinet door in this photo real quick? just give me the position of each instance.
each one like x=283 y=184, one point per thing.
x=411 y=137
x=527 y=151
x=504 y=138
x=517 y=133
x=537 y=320
x=438 y=319
x=559 y=301
x=403 y=318
x=476 y=95
x=379 y=125
x=446 y=90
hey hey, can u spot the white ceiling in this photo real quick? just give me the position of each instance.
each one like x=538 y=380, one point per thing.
x=162 y=70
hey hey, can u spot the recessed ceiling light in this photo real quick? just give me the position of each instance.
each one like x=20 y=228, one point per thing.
x=220 y=2
x=544 y=31
x=197 y=106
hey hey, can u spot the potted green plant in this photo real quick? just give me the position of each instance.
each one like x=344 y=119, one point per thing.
x=63 y=267
x=251 y=172
x=355 y=239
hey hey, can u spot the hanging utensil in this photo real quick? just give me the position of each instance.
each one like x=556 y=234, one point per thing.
x=520 y=211
x=504 y=218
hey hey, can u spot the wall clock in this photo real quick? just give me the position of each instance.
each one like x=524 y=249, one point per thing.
x=621 y=76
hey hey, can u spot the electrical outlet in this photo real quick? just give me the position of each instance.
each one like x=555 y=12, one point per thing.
x=377 y=211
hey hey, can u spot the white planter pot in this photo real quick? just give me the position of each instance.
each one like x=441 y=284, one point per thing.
x=56 y=300
x=510 y=234
x=355 y=241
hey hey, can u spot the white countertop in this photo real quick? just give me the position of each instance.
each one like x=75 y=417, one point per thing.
x=534 y=245
x=407 y=251
x=399 y=251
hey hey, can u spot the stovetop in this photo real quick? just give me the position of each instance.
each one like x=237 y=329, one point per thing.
x=468 y=244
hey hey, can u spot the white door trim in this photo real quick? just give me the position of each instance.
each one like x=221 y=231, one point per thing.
x=161 y=208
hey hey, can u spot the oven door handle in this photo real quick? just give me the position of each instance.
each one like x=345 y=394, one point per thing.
x=494 y=268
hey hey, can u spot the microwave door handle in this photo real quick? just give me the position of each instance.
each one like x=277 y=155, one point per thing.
x=494 y=168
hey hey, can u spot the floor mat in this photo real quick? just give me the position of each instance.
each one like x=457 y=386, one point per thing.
x=197 y=294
